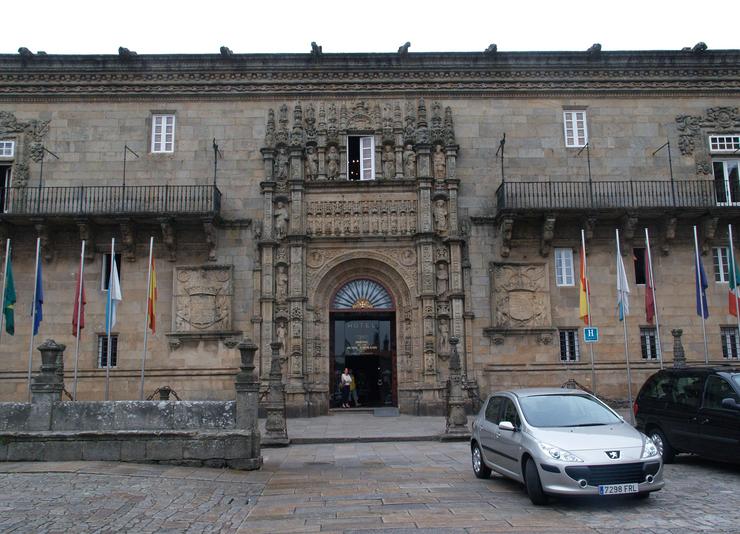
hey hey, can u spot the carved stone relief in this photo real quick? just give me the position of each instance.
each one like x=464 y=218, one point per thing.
x=364 y=217
x=203 y=298
x=440 y=216
x=282 y=218
x=694 y=130
x=29 y=136
x=521 y=295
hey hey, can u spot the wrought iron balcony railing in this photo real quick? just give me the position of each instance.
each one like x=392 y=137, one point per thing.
x=130 y=200
x=628 y=194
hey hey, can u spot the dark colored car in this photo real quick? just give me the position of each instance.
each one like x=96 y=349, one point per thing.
x=695 y=409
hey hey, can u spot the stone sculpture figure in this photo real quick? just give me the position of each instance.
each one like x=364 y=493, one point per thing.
x=443 y=277
x=443 y=341
x=438 y=161
x=280 y=336
x=409 y=162
x=332 y=165
x=281 y=283
x=281 y=220
x=389 y=162
x=281 y=164
x=440 y=216
x=312 y=163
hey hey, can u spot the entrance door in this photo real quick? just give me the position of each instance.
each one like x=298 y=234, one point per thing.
x=363 y=339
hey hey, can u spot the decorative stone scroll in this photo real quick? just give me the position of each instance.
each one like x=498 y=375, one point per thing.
x=521 y=296
x=203 y=298
x=361 y=218
x=693 y=131
x=29 y=136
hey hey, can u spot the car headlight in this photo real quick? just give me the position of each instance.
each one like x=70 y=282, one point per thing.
x=649 y=450
x=559 y=454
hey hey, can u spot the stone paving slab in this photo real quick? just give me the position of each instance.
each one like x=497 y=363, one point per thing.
x=349 y=488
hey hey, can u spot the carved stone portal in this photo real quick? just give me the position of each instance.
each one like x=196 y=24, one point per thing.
x=203 y=298
x=521 y=295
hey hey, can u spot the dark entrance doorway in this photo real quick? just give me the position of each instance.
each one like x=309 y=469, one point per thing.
x=363 y=339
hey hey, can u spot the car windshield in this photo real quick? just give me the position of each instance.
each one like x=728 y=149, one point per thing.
x=565 y=410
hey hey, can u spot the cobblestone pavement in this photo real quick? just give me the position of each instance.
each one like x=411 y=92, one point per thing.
x=360 y=487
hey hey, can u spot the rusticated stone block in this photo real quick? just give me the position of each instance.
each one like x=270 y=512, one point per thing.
x=63 y=451
x=104 y=451
x=26 y=451
x=133 y=450
x=203 y=449
x=71 y=416
x=164 y=449
x=144 y=415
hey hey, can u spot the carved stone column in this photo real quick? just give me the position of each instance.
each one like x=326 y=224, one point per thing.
x=425 y=205
x=47 y=386
x=454 y=223
x=276 y=431
x=679 y=357
x=268 y=191
x=247 y=388
x=457 y=422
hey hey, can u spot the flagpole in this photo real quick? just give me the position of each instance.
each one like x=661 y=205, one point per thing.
x=701 y=297
x=734 y=283
x=79 y=313
x=5 y=281
x=146 y=316
x=655 y=301
x=624 y=325
x=109 y=316
x=33 y=315
x=588 y=310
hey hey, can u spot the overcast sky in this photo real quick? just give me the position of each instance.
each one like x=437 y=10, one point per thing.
x=249 y=26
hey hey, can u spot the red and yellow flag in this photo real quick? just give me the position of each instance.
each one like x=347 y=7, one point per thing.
x=152 y=298
x=584 y=290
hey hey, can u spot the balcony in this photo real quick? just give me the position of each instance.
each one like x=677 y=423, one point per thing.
x=137 y=201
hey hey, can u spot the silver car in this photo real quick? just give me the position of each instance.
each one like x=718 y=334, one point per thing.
x=561 y=441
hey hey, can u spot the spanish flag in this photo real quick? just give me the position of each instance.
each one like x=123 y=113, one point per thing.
x=585 y=289
x=152 y=298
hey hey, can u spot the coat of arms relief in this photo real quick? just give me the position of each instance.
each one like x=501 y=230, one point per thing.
x=521 y=296
x=202 y=298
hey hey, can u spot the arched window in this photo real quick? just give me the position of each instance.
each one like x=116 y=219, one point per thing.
x=362 y=294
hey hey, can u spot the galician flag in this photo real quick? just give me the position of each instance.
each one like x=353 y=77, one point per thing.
x=9 y=300
x=114 y=297
x=584 y=291
x=734 y=283
x=152 y=298
x=623 y=290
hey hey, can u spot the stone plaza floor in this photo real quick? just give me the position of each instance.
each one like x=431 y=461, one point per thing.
x=346 y=487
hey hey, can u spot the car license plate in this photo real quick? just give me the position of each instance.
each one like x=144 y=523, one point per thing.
x=617 y=489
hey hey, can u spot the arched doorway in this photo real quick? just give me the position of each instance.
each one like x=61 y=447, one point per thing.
x=363 y=338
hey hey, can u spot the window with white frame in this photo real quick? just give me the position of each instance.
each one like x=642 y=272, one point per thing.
x=360 y=157
x=163 y=134
x=649 y=343
x=726 y=181
x=720 y=260
x=569 y=346
x=730 y=342
x=576 y=130
x=105 y=274
x=564 y=267
x=7 y=148
x=724 y=143
x=103 y=350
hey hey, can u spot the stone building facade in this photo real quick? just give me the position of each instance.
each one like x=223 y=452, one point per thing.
x=360 y=209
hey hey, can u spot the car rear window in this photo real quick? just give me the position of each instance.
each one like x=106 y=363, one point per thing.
x=551 y=411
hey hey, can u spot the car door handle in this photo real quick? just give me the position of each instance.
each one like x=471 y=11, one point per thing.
x=498 y=435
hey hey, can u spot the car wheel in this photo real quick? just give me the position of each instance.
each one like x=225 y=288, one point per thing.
x=533 y=484
x=664 y=448
x=480 y=468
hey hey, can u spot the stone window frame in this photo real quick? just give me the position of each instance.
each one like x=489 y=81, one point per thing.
x=101 y=343
x=721 y=254
x=152 y=125
x=7 y=149
x=568 y=340
x=361 y=136
x=726 y=334
x=563 y=280
x=649 y=346
x=576 y=139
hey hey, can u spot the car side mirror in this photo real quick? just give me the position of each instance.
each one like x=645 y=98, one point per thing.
x=730 y=404
x=506 y=425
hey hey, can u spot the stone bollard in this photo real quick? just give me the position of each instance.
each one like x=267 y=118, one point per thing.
x=679 y=356
x=247 y=388
x=457 y=421
x=276 y=431
x=48 y=385
x=164 y=393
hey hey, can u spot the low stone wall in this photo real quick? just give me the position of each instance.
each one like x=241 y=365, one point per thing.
x=210 y=433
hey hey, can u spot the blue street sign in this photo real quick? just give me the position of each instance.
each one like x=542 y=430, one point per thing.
x=590 y=334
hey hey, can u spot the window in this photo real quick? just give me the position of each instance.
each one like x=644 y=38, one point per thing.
x=687 y=390
x=163 y=133
x=649 y=344
x=360 y=157
x=510 y=414
x=564 y=267
x=720 y=259
x=492 y=409
x=105 y=274
x=638 y=256
x=569 y=346
x=716 y=391
x=658 y=388
x=576 y=131
x=7 y=149
x=103 y=350
x=724 y=143
x=5 y=183
x=726 y=181
x=730 y=342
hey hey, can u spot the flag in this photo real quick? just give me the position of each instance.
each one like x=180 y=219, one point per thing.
x=700 y=280
x=77 y=308
x=649 y=300
x=734 y=283
x=623 y=290
x=114 y=297
x=152 y=298
x=585 y=290
x=9 y=300
x=39 y=304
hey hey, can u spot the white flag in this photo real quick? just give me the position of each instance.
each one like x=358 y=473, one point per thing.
x=114 y=297
x=623 y=289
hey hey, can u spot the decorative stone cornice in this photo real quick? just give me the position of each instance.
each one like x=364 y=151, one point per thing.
x=212 y=76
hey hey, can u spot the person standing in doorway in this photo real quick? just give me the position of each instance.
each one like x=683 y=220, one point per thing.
x=353 y=389
x=346 y=382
